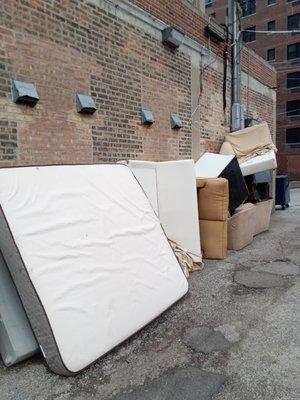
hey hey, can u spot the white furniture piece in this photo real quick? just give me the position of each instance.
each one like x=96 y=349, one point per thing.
x=171 y=189
x=88 y=257
x=211 y=165
x=257 y=164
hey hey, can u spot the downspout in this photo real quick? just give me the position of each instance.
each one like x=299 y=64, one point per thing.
x=237 y=111
x=225 y=64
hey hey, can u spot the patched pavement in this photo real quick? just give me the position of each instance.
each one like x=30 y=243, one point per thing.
x=235 y=336
x=189 y=383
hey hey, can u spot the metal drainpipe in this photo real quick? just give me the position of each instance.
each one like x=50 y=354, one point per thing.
x=237 y=111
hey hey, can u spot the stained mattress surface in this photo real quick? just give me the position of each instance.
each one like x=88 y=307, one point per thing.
x=88 y=256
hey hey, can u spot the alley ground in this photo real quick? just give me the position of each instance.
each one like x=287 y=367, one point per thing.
x=235 y=336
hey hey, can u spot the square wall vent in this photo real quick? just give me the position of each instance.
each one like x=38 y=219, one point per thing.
x=147 y=117
x=85 y=104
x=25 y=93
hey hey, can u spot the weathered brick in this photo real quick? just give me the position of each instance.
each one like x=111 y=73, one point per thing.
x=66 y=48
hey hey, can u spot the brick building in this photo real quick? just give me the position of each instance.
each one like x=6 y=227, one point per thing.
x=282 y=51
x=113 y=51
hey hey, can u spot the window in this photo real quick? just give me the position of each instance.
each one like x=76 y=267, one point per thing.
x=208 y=3
x=270 y=2
x=293 y=108
x=293 y=135
x=271 y=26
x=250 y=35
x=248 y=7
x=293 y=51
x=294 y=22
x=293 y=80
x=271 y=55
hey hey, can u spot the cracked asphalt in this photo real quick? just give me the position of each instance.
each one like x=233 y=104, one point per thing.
x=234 y=336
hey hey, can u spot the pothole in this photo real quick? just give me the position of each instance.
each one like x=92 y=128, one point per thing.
x=259 y=279
x=206 y=340
x=283 y=268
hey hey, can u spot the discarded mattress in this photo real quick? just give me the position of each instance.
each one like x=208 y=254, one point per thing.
x=16 y=338
x=171 y=188
x=212 y=165
x=259 y=164
x=88 y=256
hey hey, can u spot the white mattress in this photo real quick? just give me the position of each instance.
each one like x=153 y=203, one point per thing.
x=171 y=189
x=211 y=165
x=89 y=258
x=259 y=164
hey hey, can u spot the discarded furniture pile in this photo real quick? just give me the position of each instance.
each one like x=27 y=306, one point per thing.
x=90 y=254
x=232 y=212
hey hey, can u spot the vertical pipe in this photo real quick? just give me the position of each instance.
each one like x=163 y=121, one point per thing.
x=237 y=118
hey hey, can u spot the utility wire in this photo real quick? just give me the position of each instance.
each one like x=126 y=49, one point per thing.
x=272 y=32
x=292 y=111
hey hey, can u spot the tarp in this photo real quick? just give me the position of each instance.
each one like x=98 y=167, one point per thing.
x=88 y=257
x=250 y=142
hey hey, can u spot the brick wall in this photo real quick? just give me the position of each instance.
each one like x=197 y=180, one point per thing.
x=177 y=13
x=66 y=47
x=288 y=154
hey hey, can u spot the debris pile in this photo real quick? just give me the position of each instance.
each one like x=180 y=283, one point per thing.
x=90 y=254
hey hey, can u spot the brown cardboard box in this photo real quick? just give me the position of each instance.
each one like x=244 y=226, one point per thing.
x=213 y=199
x=213 y=239
x=241 y=227
x=263 y=212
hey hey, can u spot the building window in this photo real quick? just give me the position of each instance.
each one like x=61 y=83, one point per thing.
x=208 y=3
x=293 y=80
x=294 y=22
x=271 y=26
x=293 y=51
x=271 y=55
x=270 y=2
x=293 y=135
x=250 y=35
x=293 y=108
x=248 y=7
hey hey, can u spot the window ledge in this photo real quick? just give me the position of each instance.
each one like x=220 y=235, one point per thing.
x=294 y=61
x=293 y=117
x=250 y=15
x=293 y=3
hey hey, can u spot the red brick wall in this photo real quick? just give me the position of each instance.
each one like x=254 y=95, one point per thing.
x=177 y=13
x=288 y=155
x=66 y=47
